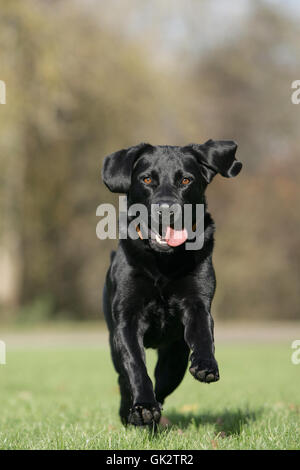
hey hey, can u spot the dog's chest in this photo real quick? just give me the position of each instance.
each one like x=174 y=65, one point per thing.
x=162 y=320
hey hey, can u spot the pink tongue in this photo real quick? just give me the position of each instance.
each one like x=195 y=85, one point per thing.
x=176 y=237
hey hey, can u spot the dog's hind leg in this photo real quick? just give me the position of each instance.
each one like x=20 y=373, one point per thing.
x=170 y=368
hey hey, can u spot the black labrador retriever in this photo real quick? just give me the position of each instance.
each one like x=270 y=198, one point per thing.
x=157 y=293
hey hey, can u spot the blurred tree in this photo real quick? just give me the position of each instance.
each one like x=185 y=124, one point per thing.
x=75 y=93
x=244 y=87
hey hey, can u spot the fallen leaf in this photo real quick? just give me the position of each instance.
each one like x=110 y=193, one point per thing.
x=214 y=444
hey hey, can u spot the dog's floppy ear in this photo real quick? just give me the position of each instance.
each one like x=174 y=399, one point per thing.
x=117 y=167
x=217 y=156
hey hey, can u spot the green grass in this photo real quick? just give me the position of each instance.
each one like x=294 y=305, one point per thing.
x=68 y=399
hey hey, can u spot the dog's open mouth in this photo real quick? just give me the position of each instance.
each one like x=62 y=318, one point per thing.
x=164 y=237
x=171 y=237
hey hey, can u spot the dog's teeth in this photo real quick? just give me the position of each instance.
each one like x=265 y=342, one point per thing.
x=159 y=240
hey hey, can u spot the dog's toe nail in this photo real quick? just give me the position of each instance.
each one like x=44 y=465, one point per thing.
x=146 y=415
x=210 y=377
x=201 y=374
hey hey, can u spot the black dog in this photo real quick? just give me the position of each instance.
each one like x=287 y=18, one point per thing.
x=157 y=293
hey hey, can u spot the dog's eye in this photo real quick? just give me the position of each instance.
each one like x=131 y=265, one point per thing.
x=147 y=180
x=185 y=181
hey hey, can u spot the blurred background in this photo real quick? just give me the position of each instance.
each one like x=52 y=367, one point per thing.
x=85 y=78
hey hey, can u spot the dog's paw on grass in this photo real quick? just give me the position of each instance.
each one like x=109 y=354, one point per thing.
x=144 y=415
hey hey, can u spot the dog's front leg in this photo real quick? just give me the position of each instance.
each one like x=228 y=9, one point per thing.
x=129 y=351
x=198 y=333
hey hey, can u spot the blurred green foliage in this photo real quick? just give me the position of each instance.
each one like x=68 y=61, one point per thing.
x=78 y=90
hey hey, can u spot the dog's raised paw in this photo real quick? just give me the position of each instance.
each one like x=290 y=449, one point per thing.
x=205 y=371
x=144 y=414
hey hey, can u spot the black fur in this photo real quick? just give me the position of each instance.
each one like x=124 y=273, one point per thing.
x=160 y=297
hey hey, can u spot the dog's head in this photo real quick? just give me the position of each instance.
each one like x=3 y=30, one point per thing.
x=166 y=178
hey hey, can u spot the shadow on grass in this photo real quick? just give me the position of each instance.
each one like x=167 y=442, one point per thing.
x=226 y=423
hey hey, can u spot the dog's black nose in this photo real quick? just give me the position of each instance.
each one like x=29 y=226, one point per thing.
x=165 y=207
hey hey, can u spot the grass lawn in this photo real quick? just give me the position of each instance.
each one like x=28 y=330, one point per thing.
x=68 y=399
